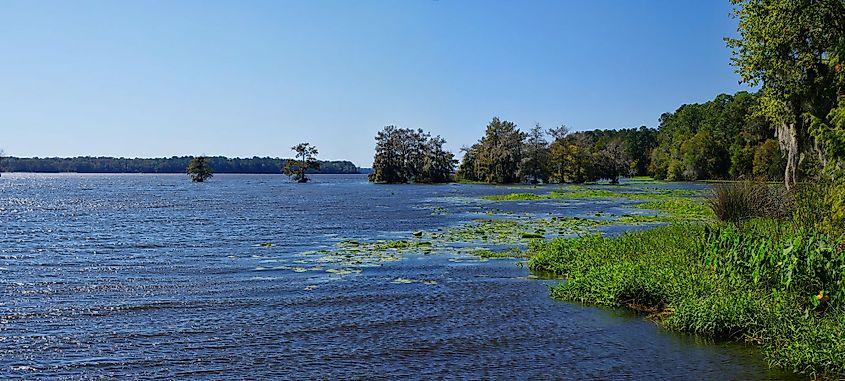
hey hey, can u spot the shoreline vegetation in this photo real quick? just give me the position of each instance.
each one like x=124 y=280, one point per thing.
x=775 y=282
x=746 y=262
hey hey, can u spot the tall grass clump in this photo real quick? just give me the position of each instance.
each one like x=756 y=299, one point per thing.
x=748 y=199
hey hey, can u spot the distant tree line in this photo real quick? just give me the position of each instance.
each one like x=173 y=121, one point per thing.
x=175 y=164
x=719 y=139
x=507 y=155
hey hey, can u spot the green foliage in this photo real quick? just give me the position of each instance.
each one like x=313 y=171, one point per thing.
x=581 y=192
x=821 y=206
x=534 y=167
x=714 y=140
x=496 y=158
x=831 y=134
x=600 y=154
x=698 y=279
x=780 y=256
x=199 y=169
x=768 y=161
x=578 y=157
x=508 y=231
x=808 y=343
x=515 y=197
x=610 y=271
x=718 y=139
x=792 y=47
x=506 y=155
x=404 y=155
x=306 y=159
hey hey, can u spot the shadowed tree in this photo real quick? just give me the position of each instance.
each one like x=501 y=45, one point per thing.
x=614 y=161
x=534 y=167
x=438 y=163
x=405 y=155
x=305 y=159
x=559 y=153
x=581 y=163
x=199 y=169
x=468 y=169
x=497 y=156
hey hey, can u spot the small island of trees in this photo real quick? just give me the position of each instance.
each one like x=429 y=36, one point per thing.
x=305 y=160
x=199 y=170
x=405 y=155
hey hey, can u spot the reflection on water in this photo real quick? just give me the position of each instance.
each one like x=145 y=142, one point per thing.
x=151 y=276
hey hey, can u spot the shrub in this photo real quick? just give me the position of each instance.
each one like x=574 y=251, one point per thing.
x=821 y=205
x=747 y=199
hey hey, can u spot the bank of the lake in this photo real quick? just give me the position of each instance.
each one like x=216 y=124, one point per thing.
x=764 y=282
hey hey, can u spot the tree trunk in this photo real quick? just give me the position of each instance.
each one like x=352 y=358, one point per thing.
x=788 y=138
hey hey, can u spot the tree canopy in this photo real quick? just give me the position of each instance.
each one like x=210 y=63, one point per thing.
x=496 y=158
x=506 y=155
x=305 y=159
x=405 y=155
x=792 y=48
x=199 y=170
x=719 y=139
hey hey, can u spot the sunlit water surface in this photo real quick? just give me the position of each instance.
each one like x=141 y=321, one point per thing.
x=151 y=276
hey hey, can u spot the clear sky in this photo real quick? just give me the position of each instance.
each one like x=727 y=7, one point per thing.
x=252 y=78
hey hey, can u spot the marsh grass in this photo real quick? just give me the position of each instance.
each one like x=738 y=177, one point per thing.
x=670 y=274
x=515 y=197
x=581 y=192
x=748 y=199
x=680 y=208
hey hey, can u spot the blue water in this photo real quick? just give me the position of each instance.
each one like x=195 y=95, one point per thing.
x=154 y=277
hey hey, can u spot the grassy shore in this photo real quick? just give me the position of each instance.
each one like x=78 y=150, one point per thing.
x=582 y=192
x=763 y=282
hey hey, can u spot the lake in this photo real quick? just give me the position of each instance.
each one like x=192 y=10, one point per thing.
x=155 y=277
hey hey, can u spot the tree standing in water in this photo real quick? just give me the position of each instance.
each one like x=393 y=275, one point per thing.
x=404 y=155
x=534 y=167
x=306 y=158
x=199 y=169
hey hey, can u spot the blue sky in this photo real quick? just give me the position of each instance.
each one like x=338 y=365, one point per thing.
x=252 y=78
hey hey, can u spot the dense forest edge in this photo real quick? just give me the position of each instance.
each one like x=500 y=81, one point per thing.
x=722 y=139
x=175 y=164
